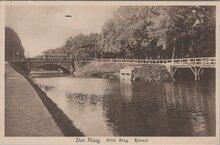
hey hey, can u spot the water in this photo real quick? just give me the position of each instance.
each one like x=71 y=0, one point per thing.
x=102 y=107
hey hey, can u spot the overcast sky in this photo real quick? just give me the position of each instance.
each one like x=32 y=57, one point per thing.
x=46 y=27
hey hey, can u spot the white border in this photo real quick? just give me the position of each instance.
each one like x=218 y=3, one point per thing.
x=71 y=140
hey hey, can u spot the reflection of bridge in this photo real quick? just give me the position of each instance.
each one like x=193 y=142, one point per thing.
x=196 y=65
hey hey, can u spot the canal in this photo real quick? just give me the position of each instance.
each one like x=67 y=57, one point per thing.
x=102 y=107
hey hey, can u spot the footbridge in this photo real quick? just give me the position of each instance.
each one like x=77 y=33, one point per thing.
x=196 y=65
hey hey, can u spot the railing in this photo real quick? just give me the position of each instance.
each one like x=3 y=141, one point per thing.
x=181 y=61
x=54 y=60
x=196 y=61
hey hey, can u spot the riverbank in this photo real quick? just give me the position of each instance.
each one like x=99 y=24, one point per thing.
x=61 y=121
x=25 y=114
x=143 y=72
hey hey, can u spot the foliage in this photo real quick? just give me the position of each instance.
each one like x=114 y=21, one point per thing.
x=13 y=46
x=82 y=46
x=154 y=32
x=149 y=32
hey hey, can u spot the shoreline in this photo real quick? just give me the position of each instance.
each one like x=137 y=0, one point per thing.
x=60 y=118
x=107 y=70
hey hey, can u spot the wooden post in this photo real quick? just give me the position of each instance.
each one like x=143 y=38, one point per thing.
x=195 y=74
x=199 y=73
x=194 y=70
x=173 y=71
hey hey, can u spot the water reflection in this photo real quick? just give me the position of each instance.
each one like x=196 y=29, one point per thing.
x=101 y=107
x=126 y=90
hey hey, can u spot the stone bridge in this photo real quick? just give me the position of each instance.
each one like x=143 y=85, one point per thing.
x=66 y=66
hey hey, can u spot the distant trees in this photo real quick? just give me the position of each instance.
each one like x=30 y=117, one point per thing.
x=13 y=46
x=150 y=32
x=82 y=46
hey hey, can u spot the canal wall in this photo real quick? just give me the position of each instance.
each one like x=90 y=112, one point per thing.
x=62 y=121
x=143 y=72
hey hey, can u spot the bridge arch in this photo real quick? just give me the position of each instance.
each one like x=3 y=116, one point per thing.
x=52 y=66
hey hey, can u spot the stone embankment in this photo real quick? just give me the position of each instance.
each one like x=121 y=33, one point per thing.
x=28 y=110
x=143 y=72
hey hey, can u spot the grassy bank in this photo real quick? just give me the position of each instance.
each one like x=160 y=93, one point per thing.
x=62 y=121
x=144 y=72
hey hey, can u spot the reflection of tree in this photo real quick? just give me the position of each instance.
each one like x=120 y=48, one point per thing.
x=187 y=106
x=133 y=118
x=183 y=97
x=160 y=109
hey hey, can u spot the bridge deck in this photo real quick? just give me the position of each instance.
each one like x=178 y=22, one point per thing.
x=205 y=61
x=196 y=65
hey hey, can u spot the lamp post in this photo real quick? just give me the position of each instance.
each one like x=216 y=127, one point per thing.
x=69 y=16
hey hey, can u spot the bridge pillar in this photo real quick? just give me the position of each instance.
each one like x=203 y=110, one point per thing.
x=173 y=71
x=197 y=71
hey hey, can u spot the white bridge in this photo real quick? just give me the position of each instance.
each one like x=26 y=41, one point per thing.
x=196 y=65
x=202 y=61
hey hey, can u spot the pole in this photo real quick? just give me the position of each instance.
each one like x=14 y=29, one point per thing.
x=17 y=56
x=182 y=51
x=95 y=53
x=13 y=55
x=28 y=52
x=174 y=47
x=75 y=56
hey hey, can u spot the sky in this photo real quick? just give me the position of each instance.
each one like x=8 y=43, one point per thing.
x=46 y=27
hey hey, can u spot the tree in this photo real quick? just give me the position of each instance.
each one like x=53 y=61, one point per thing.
x=150 y=32
x=13 y=46
x=154 y=31
x=187 y=25
x=81 y=46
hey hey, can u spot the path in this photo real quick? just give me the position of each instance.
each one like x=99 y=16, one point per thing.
x=25 y=114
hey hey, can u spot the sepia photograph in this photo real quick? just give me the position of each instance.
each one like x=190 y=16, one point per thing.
x=100 y=70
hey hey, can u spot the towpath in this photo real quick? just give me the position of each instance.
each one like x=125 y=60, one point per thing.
x=25 y=114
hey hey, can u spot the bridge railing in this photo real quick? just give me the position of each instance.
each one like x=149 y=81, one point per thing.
x=196 y=61
x=149 y=61
x=180 y=61
x=183 y=61
x=49 y=60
